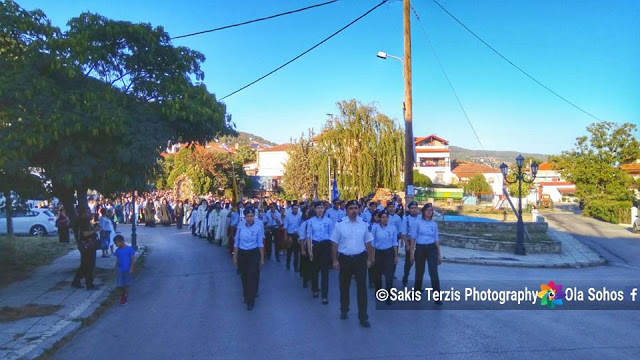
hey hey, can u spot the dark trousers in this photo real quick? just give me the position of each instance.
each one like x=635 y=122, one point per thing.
x=371 y=272
x=231 y=233
x=249 y=265
x=407 y=264
x=353 y=266
x=428 y=253
x=294 y=250
x=87 y=264
x=384 y=265
x=193 y=229
x=320 y=265
x=271 y=241
x=179 y=222
x=63 y=234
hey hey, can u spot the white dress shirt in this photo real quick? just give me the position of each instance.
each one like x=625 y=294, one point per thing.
x=351 y=236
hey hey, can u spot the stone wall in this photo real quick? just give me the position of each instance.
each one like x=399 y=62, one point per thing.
x=472 y=242
x=451 y=226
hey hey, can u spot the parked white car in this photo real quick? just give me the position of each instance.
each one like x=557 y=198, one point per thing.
x=35 y=222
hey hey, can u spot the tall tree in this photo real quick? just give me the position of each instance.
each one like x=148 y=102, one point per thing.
x=593 y=164
x=365 y=150
x=95 y=105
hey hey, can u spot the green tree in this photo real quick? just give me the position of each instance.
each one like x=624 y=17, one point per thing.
x=477 y=184
x=593 y=164
x=244 y=155
x=365 y=148
x=95 y=105
x=421 y=180
x=298 y=178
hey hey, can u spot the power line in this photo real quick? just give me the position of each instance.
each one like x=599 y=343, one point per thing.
x=255 y=20
x=435 y=54
x=308 y=50
x=514 y=65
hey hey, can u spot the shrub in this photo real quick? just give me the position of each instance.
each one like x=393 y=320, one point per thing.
x=606 y=210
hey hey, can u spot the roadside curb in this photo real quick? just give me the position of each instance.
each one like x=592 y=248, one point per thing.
x=576 y=265
x=64 y=329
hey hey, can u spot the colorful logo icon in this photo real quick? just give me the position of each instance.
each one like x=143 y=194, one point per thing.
x=551 y=294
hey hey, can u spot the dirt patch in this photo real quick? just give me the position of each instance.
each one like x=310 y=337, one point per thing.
x=20 y=256
x=9 y=314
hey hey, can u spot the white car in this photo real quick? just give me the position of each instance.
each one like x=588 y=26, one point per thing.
x=35 y=222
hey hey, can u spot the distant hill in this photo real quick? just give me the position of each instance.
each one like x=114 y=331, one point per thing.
x=244 y=138
x=493 y=156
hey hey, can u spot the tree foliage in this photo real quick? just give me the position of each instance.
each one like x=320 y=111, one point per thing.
x=477 y=184
x=421 y=180
x=244 y=155
x=365 y=147
x=593 y=164
x=298 y=178
x=94 y=106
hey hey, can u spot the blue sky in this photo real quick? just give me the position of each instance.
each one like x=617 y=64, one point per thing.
x=587 y=50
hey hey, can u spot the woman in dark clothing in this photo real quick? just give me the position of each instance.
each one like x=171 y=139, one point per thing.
x=165 y=215
x=86 y=236
x=179 y=211
x=63 y=224
x=149 y=214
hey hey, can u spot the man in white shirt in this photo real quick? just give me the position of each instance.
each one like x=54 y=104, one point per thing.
x=352 y=255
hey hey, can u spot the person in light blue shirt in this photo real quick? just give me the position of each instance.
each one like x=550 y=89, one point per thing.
x=368 y=212
x=335 y=213
x=248 y=255
x=408 y=223
x=292 y=223
x=426 y=247
x=305 y=263
x=272 y=220
x=385 y=242
x=318 y=237
x=394 y=220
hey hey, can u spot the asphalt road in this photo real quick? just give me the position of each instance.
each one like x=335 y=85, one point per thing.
x=615 y=243
x=187 y=303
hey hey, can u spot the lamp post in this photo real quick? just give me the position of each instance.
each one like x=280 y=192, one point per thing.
x=408 y=128
x=520 y=178
x=134 y=236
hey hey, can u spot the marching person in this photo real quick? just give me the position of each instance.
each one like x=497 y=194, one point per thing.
x=248 y=256
x=292 y=226
x=202 y=219
x=305 y=263
x=385 y=244
x=272 y=220
x=408 y=222
x=318 y=236
x=352 y=255
x=426 y=247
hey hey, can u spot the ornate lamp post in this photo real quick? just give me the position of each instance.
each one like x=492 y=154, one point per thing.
x=520 y=178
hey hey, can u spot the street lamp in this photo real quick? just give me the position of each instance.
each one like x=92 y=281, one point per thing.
x=520 y=178
x=408 y=128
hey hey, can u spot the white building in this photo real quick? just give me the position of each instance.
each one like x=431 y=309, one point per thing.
x=433 y=158
x=271 y=161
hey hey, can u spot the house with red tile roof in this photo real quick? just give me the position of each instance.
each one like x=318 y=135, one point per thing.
x=433 y=158
x=466 y=170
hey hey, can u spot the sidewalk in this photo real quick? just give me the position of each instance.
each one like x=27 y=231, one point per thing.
x=51 y=285
x=574 y=255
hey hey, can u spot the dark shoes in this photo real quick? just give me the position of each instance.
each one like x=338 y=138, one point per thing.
x=365 y=323
x=315 y=295
x=344 y=316
x=325 y=301
x=305 y=285
x=250 y=306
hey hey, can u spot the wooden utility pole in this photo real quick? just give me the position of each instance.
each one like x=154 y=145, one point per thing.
x=408 y=103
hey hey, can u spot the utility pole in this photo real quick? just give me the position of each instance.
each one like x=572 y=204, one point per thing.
x=408 y=106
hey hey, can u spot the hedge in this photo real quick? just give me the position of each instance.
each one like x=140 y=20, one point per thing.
x=606 y=210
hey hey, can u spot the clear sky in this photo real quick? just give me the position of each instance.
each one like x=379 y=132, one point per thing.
x=586 y=50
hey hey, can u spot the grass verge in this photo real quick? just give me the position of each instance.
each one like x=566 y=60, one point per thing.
x=88 y=321
x=502 y=236
x=20 y=256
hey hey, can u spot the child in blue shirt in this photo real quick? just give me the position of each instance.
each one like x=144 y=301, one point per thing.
x=124 y=267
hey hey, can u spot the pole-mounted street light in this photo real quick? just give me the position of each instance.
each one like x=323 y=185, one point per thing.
x=520 y=178
x=408 y=135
